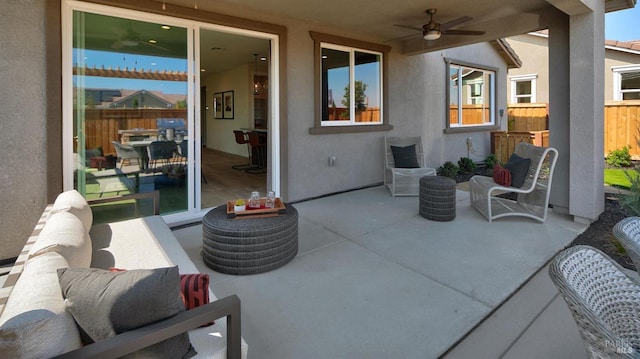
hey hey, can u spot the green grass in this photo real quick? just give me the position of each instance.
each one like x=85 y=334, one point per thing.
x=617 y=177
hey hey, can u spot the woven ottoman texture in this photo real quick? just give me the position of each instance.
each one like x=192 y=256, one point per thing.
x=437 y=198
x=248 y=246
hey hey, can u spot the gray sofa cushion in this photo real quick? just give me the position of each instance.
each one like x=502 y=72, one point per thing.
x=105 y=304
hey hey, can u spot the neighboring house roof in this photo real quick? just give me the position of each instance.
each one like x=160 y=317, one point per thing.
x=109 y=98
x=155 y=99
x=626 y=46
x=507 y=53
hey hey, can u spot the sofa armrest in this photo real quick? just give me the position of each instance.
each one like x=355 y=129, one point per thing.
x=143 y=337
x=155 y=195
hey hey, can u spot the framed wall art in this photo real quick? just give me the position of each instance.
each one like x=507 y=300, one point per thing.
x=227 y=97
x=218 y=112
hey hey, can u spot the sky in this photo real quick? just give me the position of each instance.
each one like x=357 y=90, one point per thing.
x=623 y=25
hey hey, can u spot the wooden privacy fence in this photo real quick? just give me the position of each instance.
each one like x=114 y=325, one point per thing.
x=622 y=127
x=528 y=117
x=102 y=125
x=504 y=143
x=471 y=114
x=371 y=114
x=621 y=123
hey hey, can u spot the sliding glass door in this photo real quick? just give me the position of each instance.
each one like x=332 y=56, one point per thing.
x=135 y=121
x=132 y=127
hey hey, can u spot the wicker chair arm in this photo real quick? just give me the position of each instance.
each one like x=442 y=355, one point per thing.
x=627 y=231
x=591 y=283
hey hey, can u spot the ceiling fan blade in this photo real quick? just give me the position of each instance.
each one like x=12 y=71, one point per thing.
x=463 y=32
x=455 y=22
x=408 y=27
x=154 y=46
x=404 y=38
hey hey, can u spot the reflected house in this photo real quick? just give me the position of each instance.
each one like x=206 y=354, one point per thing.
x=117 y=115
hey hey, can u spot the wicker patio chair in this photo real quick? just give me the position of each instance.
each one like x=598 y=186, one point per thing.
x=532 y=197
x=403 y=179
x=126 y=153
x=627 y=231
x=604 y=301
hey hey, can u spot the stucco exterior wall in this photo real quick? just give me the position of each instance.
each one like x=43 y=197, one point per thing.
x=534 y=53
x=31 y=119
x=416 y=106
x=23 y=122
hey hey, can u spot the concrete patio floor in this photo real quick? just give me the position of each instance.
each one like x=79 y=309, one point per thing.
x=373 y=279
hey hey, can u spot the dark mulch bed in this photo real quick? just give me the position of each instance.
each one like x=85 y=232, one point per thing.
x=599 y=234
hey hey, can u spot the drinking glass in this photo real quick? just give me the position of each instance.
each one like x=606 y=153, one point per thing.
x=271 y=199
x=254 y=200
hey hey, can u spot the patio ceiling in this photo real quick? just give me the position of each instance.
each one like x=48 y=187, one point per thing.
x=376 y=20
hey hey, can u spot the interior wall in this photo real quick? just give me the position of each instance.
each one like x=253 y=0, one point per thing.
x=220 y=131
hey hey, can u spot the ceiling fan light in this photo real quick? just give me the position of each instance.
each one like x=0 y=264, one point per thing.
x=431 y=35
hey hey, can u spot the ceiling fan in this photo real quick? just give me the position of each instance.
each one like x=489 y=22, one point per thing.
x=433 y=30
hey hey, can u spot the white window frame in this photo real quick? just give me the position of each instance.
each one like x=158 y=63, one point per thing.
x=458 y=125
x=514 y=87
x=617 y=80
x=352 y=80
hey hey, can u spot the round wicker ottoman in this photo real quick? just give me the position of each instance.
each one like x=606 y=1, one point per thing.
x=249 y=246
x=438 y=198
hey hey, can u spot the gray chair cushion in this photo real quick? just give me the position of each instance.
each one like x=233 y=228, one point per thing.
x=405 y=157
x=519 y=167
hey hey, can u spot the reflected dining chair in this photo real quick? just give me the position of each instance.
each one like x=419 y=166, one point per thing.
x=126 y=153
x=161 y=152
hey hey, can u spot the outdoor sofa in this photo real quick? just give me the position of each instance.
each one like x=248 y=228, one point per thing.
x=36 y=322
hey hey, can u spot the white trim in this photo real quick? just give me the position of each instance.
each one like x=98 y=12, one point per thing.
x=193 y=28
x=617 y=79
x=488 y=95
x=621 y=49
x=513 y=80
x=352 y=78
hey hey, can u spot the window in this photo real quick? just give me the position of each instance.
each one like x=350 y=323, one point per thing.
x=626 y=83
x=523 y=89
x=470 y=96
x=350 y=95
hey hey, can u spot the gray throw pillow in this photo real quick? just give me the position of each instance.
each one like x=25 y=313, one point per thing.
x=519 y=168
x=405 y=157
x=105 y=304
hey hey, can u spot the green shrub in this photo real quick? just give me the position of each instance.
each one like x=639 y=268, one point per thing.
x=631 y=201
x=448 y=169
x=619 y=158
x=490 y=161
x=466 y=165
